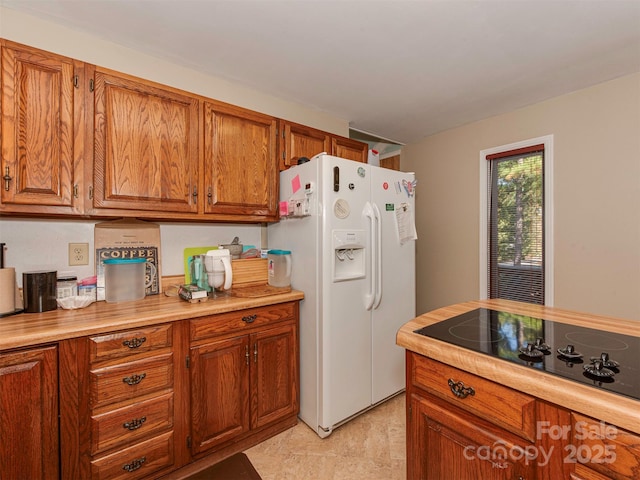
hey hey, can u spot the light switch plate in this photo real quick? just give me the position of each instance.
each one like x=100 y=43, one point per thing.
x=78 y=254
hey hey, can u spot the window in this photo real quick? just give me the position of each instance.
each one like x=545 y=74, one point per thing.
x=515 y=246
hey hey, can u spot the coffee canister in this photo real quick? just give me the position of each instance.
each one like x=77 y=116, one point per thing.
x=39 y=291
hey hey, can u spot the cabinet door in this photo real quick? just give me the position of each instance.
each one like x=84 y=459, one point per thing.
x=145 y=145
x=219 y=392
x=350 y=149
x=39 y=108
x=299 y=141
x=274 y=375
x=241 y=174
x=29 y=414
x=445 y=443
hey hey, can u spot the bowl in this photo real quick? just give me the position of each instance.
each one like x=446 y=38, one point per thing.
x=235 y=249
x=77 y=301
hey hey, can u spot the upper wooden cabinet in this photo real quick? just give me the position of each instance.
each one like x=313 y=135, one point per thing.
x=79 y=139
x=350 y=149
x=145 y=145
x=240 y=165
x=300 y=141
x=41 y=144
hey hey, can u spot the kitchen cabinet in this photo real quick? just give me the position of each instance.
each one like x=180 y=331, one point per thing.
x=244 y=374
x=42 y=143
x=350 y=149
x=132 y=403
x=454 y=417
x=29 y=414
x=466 y=419
x=240 y=165
x=145 y=145
x=301 y=141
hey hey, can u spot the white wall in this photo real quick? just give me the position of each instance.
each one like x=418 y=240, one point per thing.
x=44 y=244
x=596 y=208
x=29 y=30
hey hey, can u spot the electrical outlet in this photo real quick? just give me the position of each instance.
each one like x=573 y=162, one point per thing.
x=78 y=254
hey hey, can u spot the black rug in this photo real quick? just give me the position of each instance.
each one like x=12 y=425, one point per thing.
x=236 y=467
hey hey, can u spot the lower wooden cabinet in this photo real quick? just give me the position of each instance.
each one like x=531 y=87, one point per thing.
x=29 y=427
x=148 y=402
x=464 y=427
x=241 y=383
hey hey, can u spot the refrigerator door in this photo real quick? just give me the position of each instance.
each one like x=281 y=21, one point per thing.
x=346 y=326
x=397 y=274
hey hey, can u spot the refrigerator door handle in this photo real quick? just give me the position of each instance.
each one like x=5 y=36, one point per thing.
x=377 y=255
x=371 y=294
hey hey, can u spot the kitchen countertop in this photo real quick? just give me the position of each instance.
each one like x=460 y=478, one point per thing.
x=27 y=329
x=618 y=410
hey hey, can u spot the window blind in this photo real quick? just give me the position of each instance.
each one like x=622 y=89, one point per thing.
x=516 y=225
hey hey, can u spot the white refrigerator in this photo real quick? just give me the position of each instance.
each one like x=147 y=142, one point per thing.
x=350 y=228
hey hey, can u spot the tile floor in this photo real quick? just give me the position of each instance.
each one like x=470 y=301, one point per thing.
x=371 y=446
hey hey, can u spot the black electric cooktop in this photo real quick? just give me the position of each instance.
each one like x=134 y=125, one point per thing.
x=610 y=361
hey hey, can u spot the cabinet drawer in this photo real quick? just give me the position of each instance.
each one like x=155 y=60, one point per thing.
x=137 y=461
x=604 y=448
x=126 y=425
x=233 y=321
x=497 y=404
x=132 y=379
x=122 y=344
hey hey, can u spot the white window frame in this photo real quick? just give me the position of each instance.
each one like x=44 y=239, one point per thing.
x=547 y=141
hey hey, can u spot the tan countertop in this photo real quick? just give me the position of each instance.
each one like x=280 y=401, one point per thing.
x=615 y=409
x=27 y=329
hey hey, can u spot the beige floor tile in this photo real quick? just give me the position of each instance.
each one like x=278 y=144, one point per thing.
x=371 y=446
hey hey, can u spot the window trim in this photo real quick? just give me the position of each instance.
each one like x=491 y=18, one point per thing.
x=547 y=141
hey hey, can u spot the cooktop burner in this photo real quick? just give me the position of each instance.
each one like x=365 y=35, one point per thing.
x=610 y=361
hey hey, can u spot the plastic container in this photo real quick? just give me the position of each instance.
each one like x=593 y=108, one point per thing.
x=279 y=268
x=67 y=287
x=124 y=279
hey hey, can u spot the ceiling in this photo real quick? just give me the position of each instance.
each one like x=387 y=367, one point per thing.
x=398 y=69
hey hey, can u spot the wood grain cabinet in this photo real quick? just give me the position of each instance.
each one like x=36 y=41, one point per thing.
x=41 y=132
x=350 y=149
x=244 y=374
x=132 y=403
x=145 y=145
x=29 y=428
x=297 y=141
x=463 y=426
x=240 y=164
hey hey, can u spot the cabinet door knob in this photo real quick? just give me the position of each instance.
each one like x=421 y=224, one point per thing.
x=459 y=390
x=134 y=379
x=210 y=196
x=7 y=179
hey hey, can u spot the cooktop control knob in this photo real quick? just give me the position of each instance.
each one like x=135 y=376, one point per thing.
x=569 y=353
x=531 y=351
x=540 y=345
x=605 y=361
x=597 y=368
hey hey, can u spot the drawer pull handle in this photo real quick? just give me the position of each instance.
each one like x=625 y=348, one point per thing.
x=134 y=424
x=135 y=342
x=135 y=465
x=459 y=390
x=134 y=379
x=249 y=318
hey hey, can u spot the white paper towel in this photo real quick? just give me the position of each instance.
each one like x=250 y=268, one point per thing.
x=7 y=290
